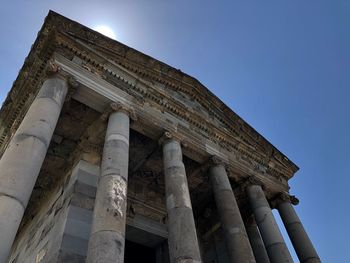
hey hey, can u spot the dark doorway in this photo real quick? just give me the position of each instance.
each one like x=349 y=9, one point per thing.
x=135 y=253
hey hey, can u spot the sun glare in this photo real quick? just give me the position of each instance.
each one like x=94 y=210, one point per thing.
x=105 y=30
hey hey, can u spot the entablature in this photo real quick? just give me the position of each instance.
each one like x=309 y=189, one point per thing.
x=169 y=98
x=97 y=92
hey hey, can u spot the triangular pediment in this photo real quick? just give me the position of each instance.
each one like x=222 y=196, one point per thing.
x=170 y=90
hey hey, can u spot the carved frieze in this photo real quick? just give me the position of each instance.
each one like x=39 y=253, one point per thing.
x=146 y=80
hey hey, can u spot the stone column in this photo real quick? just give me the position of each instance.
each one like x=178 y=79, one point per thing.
x=297 y=234
x=23 y=158
x=182 y=240
x=256 y=242
x=107 y=238
x=237 y=241
x=270 y=233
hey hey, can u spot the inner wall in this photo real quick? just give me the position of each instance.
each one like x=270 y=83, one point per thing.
x=59 y=229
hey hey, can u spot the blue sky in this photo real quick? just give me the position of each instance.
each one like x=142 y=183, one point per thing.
x=283 y=66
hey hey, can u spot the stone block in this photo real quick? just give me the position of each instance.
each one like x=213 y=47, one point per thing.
x=86 y=173
x=74 y=244
x=85 y=189
x=77 y=228
x=88 y=177
x=69 y=257
x=80 y=214
x=83 y=201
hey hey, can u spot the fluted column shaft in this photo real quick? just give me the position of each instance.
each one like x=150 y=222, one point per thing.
x=107 y=238
x=237 y=241
x=270 y=233
x=297 y=234
x=23 y=158
x=257 y=243
x=183 y=243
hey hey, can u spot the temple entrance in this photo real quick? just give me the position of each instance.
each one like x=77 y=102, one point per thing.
x=139 y=253
x=145 y=246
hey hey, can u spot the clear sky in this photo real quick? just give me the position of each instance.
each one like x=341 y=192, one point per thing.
x=283 y=66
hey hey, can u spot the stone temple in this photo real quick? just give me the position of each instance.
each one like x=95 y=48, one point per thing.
x=109 y=155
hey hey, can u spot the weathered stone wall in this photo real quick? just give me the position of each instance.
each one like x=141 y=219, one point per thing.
x=79 y=213
x=39 y=240
x=60 y=230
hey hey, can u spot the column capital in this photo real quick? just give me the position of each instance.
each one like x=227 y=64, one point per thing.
x=216 y=161
x=52 y=68
x=72 y=82
x=118 y=107
x=251 y=180
x=282 y=198
x=167 y=135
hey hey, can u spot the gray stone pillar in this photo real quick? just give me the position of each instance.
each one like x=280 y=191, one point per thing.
x=182 y=240
x=297 y=234
x=23 y=158
x=107 y=238
x=237 y=241
x=256 y=242
x=270 y=233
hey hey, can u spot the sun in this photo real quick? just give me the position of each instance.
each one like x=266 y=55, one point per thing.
x=105 y=30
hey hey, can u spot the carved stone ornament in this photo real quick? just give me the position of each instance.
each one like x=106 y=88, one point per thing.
x=168 y=136
x=216 y=161
x=284 y=197
x=281 y=198
x=251 y=180
x=294 y=200
x=73 y=85
x=254 y=181
x=52 y=68
x=116 y=107
x=72 y=82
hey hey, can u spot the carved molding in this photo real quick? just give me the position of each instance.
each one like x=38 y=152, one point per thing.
x=282 y=198
x=118 y=107
x=217 y=161
x=251 y=180
x=236 y=136
x=167 y=135
x=52 y=68
x=220 y=137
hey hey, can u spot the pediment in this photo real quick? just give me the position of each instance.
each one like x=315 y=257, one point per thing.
x=146 y=79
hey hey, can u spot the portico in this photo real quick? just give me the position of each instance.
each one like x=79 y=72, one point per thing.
x=134 y=143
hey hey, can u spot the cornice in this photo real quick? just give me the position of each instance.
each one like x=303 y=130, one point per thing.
x=24 y=88
x=191 y=140
x=148 y=67
x=165 y=102
x=236 y=134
